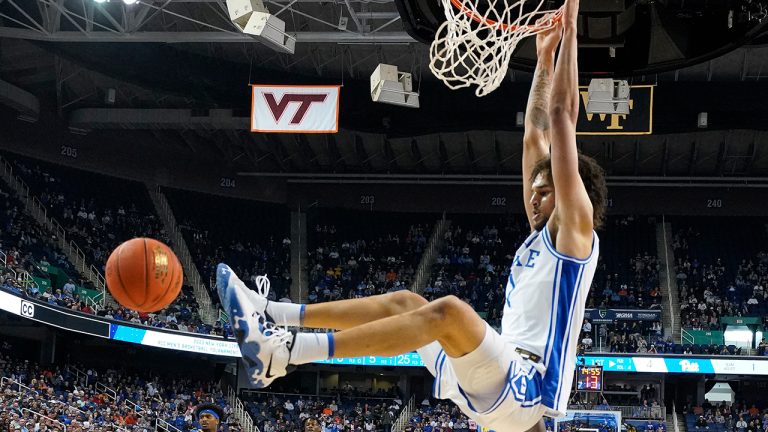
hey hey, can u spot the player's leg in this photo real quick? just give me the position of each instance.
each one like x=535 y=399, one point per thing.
x=345 y=314
x=538 y=427
x=448 y=320
x=337 y=315
x=268 y=349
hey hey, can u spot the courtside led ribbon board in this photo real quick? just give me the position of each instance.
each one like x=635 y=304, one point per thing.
x=101 y=327
x=295 y=109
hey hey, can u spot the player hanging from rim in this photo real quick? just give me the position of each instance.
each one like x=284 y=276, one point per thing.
x=506 y=381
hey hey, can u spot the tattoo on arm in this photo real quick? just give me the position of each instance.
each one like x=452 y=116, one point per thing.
x=540 y=118
x=538 y=101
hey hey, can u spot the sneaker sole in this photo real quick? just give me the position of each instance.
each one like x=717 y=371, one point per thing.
x=240 y=310
x=223 y=275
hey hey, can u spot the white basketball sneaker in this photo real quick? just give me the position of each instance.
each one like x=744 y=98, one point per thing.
x=226 y=279
x=261 y=341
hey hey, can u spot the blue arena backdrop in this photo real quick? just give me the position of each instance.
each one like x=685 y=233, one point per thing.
x=214 y=345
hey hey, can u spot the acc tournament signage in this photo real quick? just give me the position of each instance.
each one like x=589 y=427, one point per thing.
x=295 y=109
x=97 y=326
x=212 y=345
x=727 y=365
x=611 y=315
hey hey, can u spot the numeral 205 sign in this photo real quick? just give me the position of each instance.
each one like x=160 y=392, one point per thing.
x=295 y=109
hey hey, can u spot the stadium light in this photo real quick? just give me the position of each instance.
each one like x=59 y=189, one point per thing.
x=100 y=1
x=703 y=120
x=253 y=18
x=738 y=335
x=607 y=96
x=129 y=2
x=388 y=85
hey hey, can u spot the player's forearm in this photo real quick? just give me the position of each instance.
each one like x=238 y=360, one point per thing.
x=565 y=92
x=537 y=111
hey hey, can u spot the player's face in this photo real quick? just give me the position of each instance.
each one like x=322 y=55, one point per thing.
x=312 y=425
x=208 y=422
x=542 y=200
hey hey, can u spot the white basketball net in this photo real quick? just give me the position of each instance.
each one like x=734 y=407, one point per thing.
x=475 y=48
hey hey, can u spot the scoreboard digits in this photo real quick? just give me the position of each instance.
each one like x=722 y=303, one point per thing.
x=589 y=378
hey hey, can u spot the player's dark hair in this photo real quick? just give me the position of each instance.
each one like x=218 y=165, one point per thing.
x=593 y=177
x=212 y=407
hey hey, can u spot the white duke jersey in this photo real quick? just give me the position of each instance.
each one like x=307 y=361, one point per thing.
x=544 y=308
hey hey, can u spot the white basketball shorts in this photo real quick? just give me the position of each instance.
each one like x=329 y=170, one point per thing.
x=493 y=384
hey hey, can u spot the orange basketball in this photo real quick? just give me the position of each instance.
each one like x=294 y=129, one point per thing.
x=144 y=274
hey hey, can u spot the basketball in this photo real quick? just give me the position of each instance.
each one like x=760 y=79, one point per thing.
x=144 y=274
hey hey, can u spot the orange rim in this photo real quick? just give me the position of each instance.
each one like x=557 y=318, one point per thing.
x=506 y=27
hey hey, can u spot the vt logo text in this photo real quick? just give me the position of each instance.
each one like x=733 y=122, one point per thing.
x=277 y=108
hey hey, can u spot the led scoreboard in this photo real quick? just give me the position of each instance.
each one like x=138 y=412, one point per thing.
x=589 y=378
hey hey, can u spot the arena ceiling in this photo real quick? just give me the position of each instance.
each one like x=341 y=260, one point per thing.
x=374 y=34
x=68 y=53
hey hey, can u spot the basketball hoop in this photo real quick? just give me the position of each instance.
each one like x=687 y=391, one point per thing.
x=474 y=48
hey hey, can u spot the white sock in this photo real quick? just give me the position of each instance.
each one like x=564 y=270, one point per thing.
x=309 y=347
x=286 y=314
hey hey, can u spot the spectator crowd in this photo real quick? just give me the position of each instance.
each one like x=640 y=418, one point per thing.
x=26 y=250
x=252 y=238
x=710 y=285
x=724 y=417
x=284 y=412
x=344 y=265
x=35 y=398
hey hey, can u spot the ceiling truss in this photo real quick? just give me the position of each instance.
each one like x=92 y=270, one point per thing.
x=173 y=21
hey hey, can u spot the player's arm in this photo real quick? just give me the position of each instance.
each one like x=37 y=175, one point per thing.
x=573 y=210
x=537 y=123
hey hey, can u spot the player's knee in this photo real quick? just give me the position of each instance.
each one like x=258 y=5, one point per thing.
x=446 y=310
x=405 y=300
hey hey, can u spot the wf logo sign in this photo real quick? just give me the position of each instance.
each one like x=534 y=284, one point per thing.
x=615 y=120
x=638 y=122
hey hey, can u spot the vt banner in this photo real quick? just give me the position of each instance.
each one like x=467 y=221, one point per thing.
x=295 y=109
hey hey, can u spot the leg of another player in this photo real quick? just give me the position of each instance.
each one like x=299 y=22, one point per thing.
x=538 y=427
x=448 y=320
x=344 y=314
